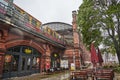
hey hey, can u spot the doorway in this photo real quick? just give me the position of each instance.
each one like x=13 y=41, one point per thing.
x=55 y=61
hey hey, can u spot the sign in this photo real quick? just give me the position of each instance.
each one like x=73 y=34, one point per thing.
x=55 y=55
x=8 y=58
x=64 y=64
x=28 y=51
x=72 y=66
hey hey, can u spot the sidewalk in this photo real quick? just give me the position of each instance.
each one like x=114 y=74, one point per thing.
x=43 y=76
x=54 y=76
x=117 y=76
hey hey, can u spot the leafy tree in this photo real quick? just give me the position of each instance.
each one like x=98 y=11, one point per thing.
x=87 y=21
x=99 y=21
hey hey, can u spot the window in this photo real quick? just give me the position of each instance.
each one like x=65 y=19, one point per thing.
x=4 y=2
x=34 y=22
x=27 y=18
x=26 y=57
x=7 y=62
x=10 y=49
x=35 y=64
x=11 y=63
x=23 y=63
x=17 y=49
x=28 y=63
x=35 y=52
x=14 y=49
x=15 y=62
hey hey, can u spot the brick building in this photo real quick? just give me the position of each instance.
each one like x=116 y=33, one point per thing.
x=27 y=47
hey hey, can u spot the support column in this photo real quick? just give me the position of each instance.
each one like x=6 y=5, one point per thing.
x=3 y=35
x=2 y=52
x=76 y=41
x=46 y=58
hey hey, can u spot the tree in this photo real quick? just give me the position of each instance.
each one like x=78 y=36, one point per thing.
x=100 y=21
x=87 y=21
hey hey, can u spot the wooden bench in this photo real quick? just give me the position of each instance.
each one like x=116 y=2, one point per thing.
x=90 y=72
x=104 y=74
x=76 y=75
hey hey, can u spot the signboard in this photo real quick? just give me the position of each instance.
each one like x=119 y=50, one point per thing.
x=72 y=66
x=64 y=64
x=28 y=51
x=8 y=58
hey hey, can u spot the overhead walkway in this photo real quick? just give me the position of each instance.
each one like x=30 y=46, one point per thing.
x=8 y=16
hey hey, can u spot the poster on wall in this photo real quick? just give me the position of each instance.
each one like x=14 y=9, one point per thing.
x=8 y=58
x=64 y=64
x=72 y=66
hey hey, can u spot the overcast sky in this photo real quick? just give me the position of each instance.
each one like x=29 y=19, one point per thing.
x=50 y=10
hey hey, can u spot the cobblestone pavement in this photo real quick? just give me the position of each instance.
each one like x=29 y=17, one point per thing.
x=59 y=77
x=117 y=77
x=54 y=76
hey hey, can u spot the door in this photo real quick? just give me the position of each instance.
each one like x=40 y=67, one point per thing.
x=24 y=65
x=23 y=61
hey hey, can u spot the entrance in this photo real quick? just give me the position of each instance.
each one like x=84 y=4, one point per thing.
x=21 y=61
x=55 y=61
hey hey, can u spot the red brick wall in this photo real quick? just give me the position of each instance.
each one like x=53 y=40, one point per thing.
x=1 y=63
x=70 y=53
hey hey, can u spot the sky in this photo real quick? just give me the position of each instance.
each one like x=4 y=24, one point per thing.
x=50 y=10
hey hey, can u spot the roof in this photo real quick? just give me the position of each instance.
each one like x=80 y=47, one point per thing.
x=62 y=28
x=56 y=26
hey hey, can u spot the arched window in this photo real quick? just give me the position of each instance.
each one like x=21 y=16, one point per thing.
x=21 y=58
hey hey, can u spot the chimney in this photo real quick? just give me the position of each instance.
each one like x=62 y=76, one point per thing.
x=75 y=33
x=74 y=15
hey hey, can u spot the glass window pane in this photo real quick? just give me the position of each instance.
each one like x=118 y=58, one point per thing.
x=35 y=52
x=36 y=63
x=23 y=63
x=17 y=49
x=15 y=62
x=10 y=49
x=28 y=63
x=34 y=22
x=27 y=19
x=7 y=63
x=4 y=2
